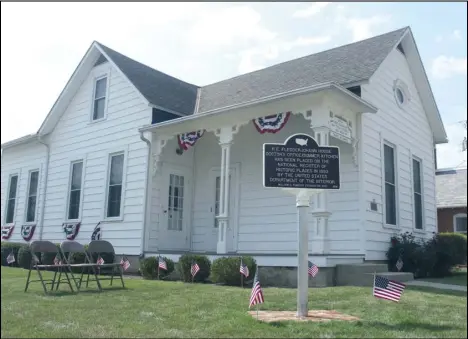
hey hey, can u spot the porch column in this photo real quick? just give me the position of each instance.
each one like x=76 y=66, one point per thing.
x=225 y=136
x=321 y=212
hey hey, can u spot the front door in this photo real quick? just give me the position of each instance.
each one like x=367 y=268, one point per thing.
x=232 y=208
x=175 y=217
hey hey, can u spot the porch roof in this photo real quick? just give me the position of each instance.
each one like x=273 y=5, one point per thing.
x=227 y=114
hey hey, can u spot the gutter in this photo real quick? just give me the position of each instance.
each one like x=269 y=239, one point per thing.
x=46 y=175
x=145 y=205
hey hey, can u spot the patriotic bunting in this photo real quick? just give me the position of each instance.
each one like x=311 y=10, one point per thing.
x=71 y=230
x=189 y=139
x=97 y=232
x=271 y=123
x=7 y=231
x=27 y=231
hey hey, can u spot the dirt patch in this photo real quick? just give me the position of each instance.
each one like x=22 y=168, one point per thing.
x=314 y=315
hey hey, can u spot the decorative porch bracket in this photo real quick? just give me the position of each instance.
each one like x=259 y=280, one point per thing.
x=225 y=136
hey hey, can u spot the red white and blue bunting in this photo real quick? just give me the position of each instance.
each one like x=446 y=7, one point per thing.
x=271 y=123
x=7 y=231
x=189 y=139
x=71 y=230
x=27 y=231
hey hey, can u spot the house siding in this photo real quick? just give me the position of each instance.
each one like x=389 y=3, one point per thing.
x=445 y=218
x=22 y=159
x=75 y=138
x=408 y=129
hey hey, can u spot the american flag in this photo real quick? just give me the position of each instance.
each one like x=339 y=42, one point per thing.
x=162 y=264
x=387 y=289
x=244 y=269
x=10 y=258
x=194 y=269
x=125 y=263
x=57 y=260
x=256 y=297
x=312 y=269
x=100 y=261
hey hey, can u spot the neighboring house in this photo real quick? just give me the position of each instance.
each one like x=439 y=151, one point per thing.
x=451 y=200
x=124 y=145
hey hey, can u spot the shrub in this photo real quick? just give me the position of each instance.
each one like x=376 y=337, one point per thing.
x=149 y=268
x=7 y=248
x=449 y=250
x=185 y=263
x=226 y=270
x=24 y=257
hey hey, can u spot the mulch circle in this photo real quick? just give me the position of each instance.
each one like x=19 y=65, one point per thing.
x=314 y=315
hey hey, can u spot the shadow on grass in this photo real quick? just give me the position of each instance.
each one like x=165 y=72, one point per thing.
x=404 y=326
x=60 y=293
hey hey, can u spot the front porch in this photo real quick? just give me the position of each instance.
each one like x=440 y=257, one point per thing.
x=192 y=208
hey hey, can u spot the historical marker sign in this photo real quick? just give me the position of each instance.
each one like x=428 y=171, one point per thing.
x=301 y=163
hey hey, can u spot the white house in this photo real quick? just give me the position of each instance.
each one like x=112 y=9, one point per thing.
x=146 y=155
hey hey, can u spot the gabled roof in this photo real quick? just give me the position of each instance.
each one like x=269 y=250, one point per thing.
x=160 y=89
x=451 y=185
x=344 y=65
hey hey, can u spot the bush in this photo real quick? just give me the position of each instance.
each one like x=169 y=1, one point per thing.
x=7 y=248
x=24 y=257
x=227 y=270
x=149 y=268
x=185 y=263
x=435 y=257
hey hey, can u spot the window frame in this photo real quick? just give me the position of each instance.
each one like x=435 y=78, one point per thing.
x=413 y=193
x=70 y=178
x=93 y=97
x=455 y=217
x=388 y=143
x=123 y=152
x=28 y=194
x=7 y=198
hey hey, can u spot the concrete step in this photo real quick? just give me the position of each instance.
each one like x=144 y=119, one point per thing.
x=352 y=274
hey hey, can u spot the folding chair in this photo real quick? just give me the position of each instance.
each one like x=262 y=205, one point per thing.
x=97 y=247
x=68 y=248
x=44 y=247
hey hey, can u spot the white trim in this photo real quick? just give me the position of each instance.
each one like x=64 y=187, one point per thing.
x=102 y=75
x=362 y=182
x=19 y=141
x=70 y=176
x=122 y=150
x=26 y=203
x=7 y=197
x=455 y=217
x=421 y=179
x=385 y=141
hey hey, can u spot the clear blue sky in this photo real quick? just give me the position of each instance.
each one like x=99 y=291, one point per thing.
x=207 y=42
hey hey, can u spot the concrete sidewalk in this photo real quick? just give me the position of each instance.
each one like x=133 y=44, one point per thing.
x=436 y=285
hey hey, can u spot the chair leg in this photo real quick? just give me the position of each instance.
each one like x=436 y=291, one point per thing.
x=27 y=281
x=69 y=282
x=42 y=280
x=112 y=276
x=58 y=281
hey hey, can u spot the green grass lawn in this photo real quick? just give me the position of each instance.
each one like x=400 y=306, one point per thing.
x=457 y=278
x=174 y=309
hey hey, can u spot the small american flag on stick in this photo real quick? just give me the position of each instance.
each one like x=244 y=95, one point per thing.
x=57 y=260
x=312 y=269
x=244 y=270
x=387 y=289
x=256 y=296
x=194 y=269
x=100 y=261
x=10 y=258
x=162 y=263
x=399 y=264
x=125 y=263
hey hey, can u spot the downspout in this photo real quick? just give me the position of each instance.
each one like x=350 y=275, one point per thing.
x=145 y=205
x=46 y=176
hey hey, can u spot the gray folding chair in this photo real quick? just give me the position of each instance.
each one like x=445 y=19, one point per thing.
x=44 y=247
x=98 y=247
x=70 y=247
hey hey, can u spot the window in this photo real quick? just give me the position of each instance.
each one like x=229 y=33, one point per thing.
x=99 y=104
x=217 y=199
x=74 y=199
x=114 y=192
x=400 y=96
x=176 y=203
x=31 y=203
x=401 y=92
x=11 y=203
x=390 y=185
x=459 y=223
x=417 y=195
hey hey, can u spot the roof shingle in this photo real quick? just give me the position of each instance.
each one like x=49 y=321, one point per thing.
x=451 y=188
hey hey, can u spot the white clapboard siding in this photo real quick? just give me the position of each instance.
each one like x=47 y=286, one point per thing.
x=409 y=129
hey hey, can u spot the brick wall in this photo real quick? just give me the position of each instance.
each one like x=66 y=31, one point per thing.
x=445 y=218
